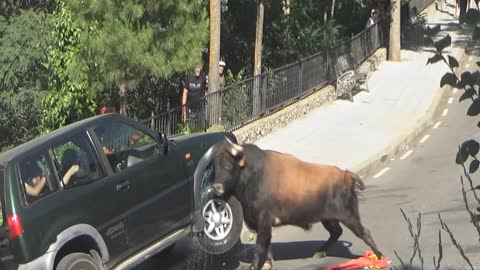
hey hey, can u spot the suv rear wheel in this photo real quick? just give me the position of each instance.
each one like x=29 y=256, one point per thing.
x=77 y=261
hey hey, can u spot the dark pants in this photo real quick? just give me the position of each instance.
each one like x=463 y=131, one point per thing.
x=463 y=7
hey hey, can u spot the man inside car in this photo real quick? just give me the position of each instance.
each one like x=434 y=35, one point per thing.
x=34 y=180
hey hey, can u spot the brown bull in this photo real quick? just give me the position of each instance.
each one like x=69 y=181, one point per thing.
x=277 y=189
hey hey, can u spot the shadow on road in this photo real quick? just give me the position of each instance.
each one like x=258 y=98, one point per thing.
x=306 y=249
x=188 y=256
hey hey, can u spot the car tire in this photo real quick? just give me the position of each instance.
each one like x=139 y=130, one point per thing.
x=222 y=243
x=77 y=261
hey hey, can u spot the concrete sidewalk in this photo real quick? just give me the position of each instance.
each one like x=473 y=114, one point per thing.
x=402 y=100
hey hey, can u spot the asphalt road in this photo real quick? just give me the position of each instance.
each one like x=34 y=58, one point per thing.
x=423 y=179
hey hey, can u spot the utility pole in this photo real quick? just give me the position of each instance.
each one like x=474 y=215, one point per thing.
x=214 y=101
x=257 y=66
x=394 y=40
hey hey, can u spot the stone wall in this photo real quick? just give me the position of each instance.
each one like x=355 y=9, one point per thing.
x=258 y=129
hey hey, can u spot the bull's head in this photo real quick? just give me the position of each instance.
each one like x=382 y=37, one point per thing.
x=228 y=162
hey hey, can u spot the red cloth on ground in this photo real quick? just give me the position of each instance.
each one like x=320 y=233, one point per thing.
x=368 y=261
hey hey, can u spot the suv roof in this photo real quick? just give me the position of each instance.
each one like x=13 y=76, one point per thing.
x=49 y=138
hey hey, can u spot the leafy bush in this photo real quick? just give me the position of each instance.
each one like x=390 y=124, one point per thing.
x=216 y=128
x=20 y=118
x=189 y=127
x=236 y=101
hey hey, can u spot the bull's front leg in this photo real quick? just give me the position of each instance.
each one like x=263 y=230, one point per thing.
x=264 y=238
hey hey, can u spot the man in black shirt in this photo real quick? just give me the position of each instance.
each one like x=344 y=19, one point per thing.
x=194 y=88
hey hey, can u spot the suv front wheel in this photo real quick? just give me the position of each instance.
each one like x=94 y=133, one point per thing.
x=223 y=223
x=77 y=261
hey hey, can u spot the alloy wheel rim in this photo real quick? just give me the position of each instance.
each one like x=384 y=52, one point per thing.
x=218 y=218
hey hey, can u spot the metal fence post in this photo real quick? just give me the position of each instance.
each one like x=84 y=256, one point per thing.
x=264 y=91
x=300 y=77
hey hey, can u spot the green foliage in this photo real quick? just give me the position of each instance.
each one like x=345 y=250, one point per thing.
x=216 y=128
x=307 y=32
x=236 y=103
x=68 y=99
x=133 y=39
x=287 y=37
x=60 y=150
x=154 y=94
x=20 y=117
x=9 y=8
x=24 y=40
x=189 y=127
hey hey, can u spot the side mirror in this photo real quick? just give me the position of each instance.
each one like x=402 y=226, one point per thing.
x=163 y=142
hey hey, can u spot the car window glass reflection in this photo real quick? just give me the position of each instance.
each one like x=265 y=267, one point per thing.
x=125 y=145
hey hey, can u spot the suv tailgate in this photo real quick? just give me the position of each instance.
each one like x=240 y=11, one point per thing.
x=7 y=261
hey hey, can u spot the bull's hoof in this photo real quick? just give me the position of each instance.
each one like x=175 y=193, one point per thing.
x=267 y=265
x=320 y=254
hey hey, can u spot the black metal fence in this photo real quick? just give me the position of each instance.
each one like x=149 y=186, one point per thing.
x=256 y=97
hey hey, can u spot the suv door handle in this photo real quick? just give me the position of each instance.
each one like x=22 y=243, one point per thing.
x=123 y=186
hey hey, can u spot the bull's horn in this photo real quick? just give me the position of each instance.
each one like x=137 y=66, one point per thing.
x=236 y=149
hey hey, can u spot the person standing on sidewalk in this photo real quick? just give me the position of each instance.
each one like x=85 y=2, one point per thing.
x=373 y=18
x=194 y=88
x=221 y=73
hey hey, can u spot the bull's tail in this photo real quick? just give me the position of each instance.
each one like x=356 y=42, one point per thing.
x=357 y=180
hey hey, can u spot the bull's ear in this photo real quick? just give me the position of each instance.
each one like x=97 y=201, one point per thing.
x=242 y=162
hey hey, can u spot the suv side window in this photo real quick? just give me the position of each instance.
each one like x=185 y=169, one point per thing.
x=36 y=177
x=125 y=145
x=77 y=162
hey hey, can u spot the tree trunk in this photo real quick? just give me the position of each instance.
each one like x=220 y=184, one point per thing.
x=213 y=76
x=332 y=13
x=394 y=40
x=257 y=66
x=123 y=97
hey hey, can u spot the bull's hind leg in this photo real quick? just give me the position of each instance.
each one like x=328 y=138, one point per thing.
x=355 y=225
x=335 y=230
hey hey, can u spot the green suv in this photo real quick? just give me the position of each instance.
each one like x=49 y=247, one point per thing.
x=108 y=193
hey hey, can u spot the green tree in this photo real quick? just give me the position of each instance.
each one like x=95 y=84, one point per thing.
x=67 y=100
x=292 y=29
x=13 y=7
x=130 y=39
x=24 y=41
x=20 y=117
